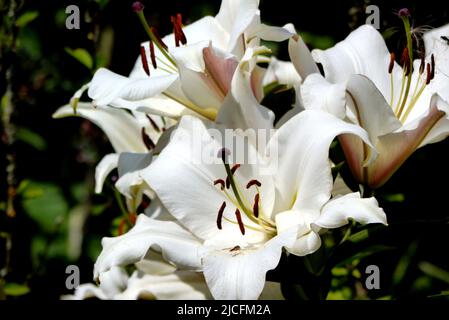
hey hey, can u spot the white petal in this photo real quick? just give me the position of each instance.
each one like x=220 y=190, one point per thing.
x=281 y=72
x=434 y=44
x=176 y=244
x=317 y=93
x=180 y=285
x=337 y=212
x=121 y=128
x=103 y=169
x=236 y=16
x=301 y=57
x=107 y=86
x=237 y=276
x=373 y=112
x=300 y=151
x=86 y=291
x=362 y=52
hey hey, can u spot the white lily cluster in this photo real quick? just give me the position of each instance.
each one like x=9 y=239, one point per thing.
x=215 y=228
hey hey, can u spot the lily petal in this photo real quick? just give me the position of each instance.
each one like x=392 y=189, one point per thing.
x=300 y=149
x=241 y=275
x=103 y=169
x=121 y=128
x=301 y=57
x=176 y=244
x=107 y=86
x=337 y=212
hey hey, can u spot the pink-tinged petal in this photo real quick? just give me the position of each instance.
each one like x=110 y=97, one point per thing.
x=221 y=70
x=301 y=57
x=395 y=148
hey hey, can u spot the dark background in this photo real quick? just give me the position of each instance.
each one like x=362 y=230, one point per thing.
x=55 y=159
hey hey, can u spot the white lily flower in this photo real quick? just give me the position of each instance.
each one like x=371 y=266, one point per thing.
x=194 y=78
x=234 y=231
x=365 y=86
x=131 y=136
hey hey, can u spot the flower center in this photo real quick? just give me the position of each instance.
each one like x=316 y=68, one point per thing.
x=233 y=192
x=405 y=104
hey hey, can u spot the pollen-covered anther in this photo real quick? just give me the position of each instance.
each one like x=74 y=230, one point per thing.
x=239 y=221
x=143 y=57
x=392 y=58
x=253 y=182
x=234 y=168
x=180 y=37
x=220 y=182
x=147 y=140
x=256 y=205
x=220 y=215
x=153 y=124
x=405 y=61
x=429 y=74
x=153 y=55
x=158 y=38
x=432 y=61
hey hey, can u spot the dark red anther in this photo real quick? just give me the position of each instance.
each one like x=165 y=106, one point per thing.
x=422 y=65
x=256 y=205
x=147 y=140
x=405 y=61
x=252 y=183
x=429 y=74
x=143 y=56
x=158 y=37
x=239 y=221
x=182 y=36
x=220 y=215
x=175 y=30
x=432 y=60
x=153 y=123
x=153 y=55
x=234 y=168
x=228 y=183
x=220 y=182
x=392 y=58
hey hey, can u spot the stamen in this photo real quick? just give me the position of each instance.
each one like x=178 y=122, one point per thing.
x=220 y=215
x=432 y=60
x=234 y=168
x=147 y=140
x=392 y=58
x=221 y=182
x=429 y=74
x=422 y=65
x=236 y=248
x=256 y=205
x=153 y=55
x=153 y=124
x=239 y=221
x=252 y=183
x=143 y=56
x=158 y=38
x=175 y=30
x=182 y=38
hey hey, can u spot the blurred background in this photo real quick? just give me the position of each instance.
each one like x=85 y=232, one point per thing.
x=49 y=214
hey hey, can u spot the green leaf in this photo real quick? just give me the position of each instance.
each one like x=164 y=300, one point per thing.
x=31 y=138
x=364 y=253
x=26 y=18
x=15 y=289
x=45 y=204
x=82 y=56
x=434 y=271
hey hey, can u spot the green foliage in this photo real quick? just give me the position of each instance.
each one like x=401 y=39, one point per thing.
x=25 y=18
x=82 y=56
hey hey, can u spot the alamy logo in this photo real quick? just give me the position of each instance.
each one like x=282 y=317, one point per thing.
x=73 y=279
x=373 y=16
x=73 y=19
